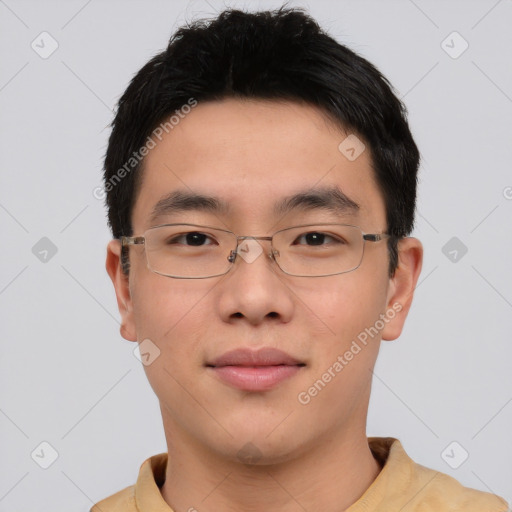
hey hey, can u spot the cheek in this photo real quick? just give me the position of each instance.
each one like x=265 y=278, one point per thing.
x=345 y=305
x=172 y=314
x=345 y=354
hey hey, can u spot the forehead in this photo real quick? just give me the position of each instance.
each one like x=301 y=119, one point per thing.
x=252 y=158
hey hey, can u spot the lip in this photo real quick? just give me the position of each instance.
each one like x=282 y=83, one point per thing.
x=259 y=370
x=266 y=356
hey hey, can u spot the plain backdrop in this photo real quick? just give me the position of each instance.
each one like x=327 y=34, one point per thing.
x=69 y=380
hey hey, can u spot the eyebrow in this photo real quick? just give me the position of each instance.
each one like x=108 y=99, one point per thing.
x=329 y=198
x=182 y=201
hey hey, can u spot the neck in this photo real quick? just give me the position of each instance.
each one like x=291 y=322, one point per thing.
x=329 y=477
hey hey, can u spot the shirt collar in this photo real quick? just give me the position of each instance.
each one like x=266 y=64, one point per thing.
x=388 y=452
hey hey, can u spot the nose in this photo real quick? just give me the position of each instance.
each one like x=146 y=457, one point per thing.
x=255 y=290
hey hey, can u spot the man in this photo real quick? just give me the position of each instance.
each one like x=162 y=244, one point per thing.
x=261 y=187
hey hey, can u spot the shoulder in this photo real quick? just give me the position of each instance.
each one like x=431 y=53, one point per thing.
x=122 y=501
x=144 y=494
x=405 y=484
x=443 y=492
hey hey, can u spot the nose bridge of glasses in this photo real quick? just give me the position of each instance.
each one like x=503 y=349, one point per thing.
x=247 y=237
x=249 y=248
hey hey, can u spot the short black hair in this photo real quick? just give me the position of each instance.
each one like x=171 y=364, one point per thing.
x=270 y=55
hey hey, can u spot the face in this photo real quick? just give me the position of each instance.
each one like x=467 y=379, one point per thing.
x=252 y=155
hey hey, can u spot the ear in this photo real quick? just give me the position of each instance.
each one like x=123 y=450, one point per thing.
x=122 y=289
x=402 y=285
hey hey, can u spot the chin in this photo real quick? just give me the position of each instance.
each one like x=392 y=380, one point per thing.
x=259 y=449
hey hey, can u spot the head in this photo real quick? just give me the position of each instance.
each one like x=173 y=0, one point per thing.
x=251 y=109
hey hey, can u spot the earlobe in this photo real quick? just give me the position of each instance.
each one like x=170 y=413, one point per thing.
x=402 y=286
x=122 y=290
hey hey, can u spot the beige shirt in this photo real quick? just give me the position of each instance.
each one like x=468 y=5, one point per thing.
x=402 y=485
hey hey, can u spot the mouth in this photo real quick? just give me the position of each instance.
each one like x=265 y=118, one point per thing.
x=258 y=370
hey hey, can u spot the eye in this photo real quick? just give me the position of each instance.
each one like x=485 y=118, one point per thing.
x=316 y=238
x=192 y=238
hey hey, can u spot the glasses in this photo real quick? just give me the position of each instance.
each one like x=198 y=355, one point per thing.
x=190 y=251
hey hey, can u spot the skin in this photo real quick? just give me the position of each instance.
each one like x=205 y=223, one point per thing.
x=314 y=456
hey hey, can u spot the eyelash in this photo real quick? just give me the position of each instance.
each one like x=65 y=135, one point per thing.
x=183 y=235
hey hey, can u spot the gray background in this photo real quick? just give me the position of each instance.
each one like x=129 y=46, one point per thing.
x=69 y=379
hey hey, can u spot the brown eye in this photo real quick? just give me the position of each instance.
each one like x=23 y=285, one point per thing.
x=193 y=239
x=316 y=238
